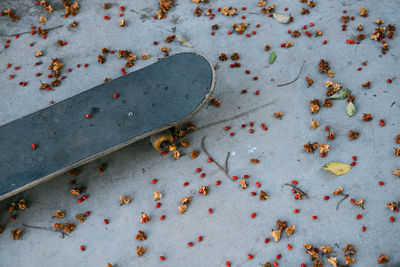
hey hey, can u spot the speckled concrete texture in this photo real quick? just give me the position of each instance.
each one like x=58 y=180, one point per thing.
x=229 y=234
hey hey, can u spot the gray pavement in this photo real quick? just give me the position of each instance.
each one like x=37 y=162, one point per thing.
x=229 y=234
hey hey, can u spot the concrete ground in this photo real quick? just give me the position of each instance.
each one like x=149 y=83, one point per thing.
x=229 y=233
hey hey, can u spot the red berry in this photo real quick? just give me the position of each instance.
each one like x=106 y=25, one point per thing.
x=87 y=213
x=218 y=182
x=185 y=183
x=250 y=256
x=266 y=240
x=246 y=176
x=162 y=258
x=354 y=158
x=34 y=146
x=158 y=205
x=228 y=264
x=294 y=182
x=296 y=211
x=210 y=210
x=381 y=183
x=198 y=170
x=392 y=219
x=323 y=155
x=389 y=81
x=82 y=248
x=227 y=128
x=253 y=193
x=235 y=177
x=314 y=217
x=258 y=184
x=154 y=181
x=289 y=247
x=88 y=116
x=325 y=42
x=162 y=217
x=326 y=128
x=105 y=221
x=278 y=256
x=116 y=95
x=202 y=175
x=255 y=78
x=190 y=244
x=253 y=215
x=359 y=216
x=363 y=229
x=231 y=133
x=84 y=197
x=326 y=197
x=200 y=238
x=80 y=200
x=209 y=159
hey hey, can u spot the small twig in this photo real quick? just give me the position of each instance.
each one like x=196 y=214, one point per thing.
x=41 y=228
x=216 y=163
x=298 y=189
x=21 y=33
x=226 y=162
x=298 y=75
x=345 y=196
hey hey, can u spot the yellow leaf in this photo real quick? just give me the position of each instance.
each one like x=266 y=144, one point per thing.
x=337 y=168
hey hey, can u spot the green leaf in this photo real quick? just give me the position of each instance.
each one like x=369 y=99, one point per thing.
x=272 y=57
x=183 y=40
x=341 y=94
x=350 y=109
x=337 y=168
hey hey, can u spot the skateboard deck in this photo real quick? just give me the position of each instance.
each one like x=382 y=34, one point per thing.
x=150 y=100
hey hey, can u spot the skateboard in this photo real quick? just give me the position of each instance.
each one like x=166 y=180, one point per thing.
x=144 y=103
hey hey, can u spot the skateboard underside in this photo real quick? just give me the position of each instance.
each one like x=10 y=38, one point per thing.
x=150 y=100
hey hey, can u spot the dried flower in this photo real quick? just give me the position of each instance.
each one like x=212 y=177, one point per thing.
x=263 y=195
x=80 y=217
x=186 y=200
x=16 y=234
x=366 y=84
x=278 y=115
x=140 y=251
x=323 y=148
x=290 y=229
x=267 y=47
x=194 y=153
x=333 y=261
x=326 y=249
x=144 y=218
x=276 y=235
x=243 y=184
x=203 y=190
x=182 y=208
x=363 y=12
x=353 y=135
x=122 y=23
x=69 y=227
x=59 y=214
x=349 y=249
x=314 y=106
x=311 y=147
x=223 y=57
x=383 y=259
x=391 y=205
x=338 y=191
x=254 y=161
x=124 y=200
x=314 y=124
x=396 y=172
x=141 y=236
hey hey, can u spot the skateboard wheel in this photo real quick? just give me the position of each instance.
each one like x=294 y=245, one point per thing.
x=162 y=140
